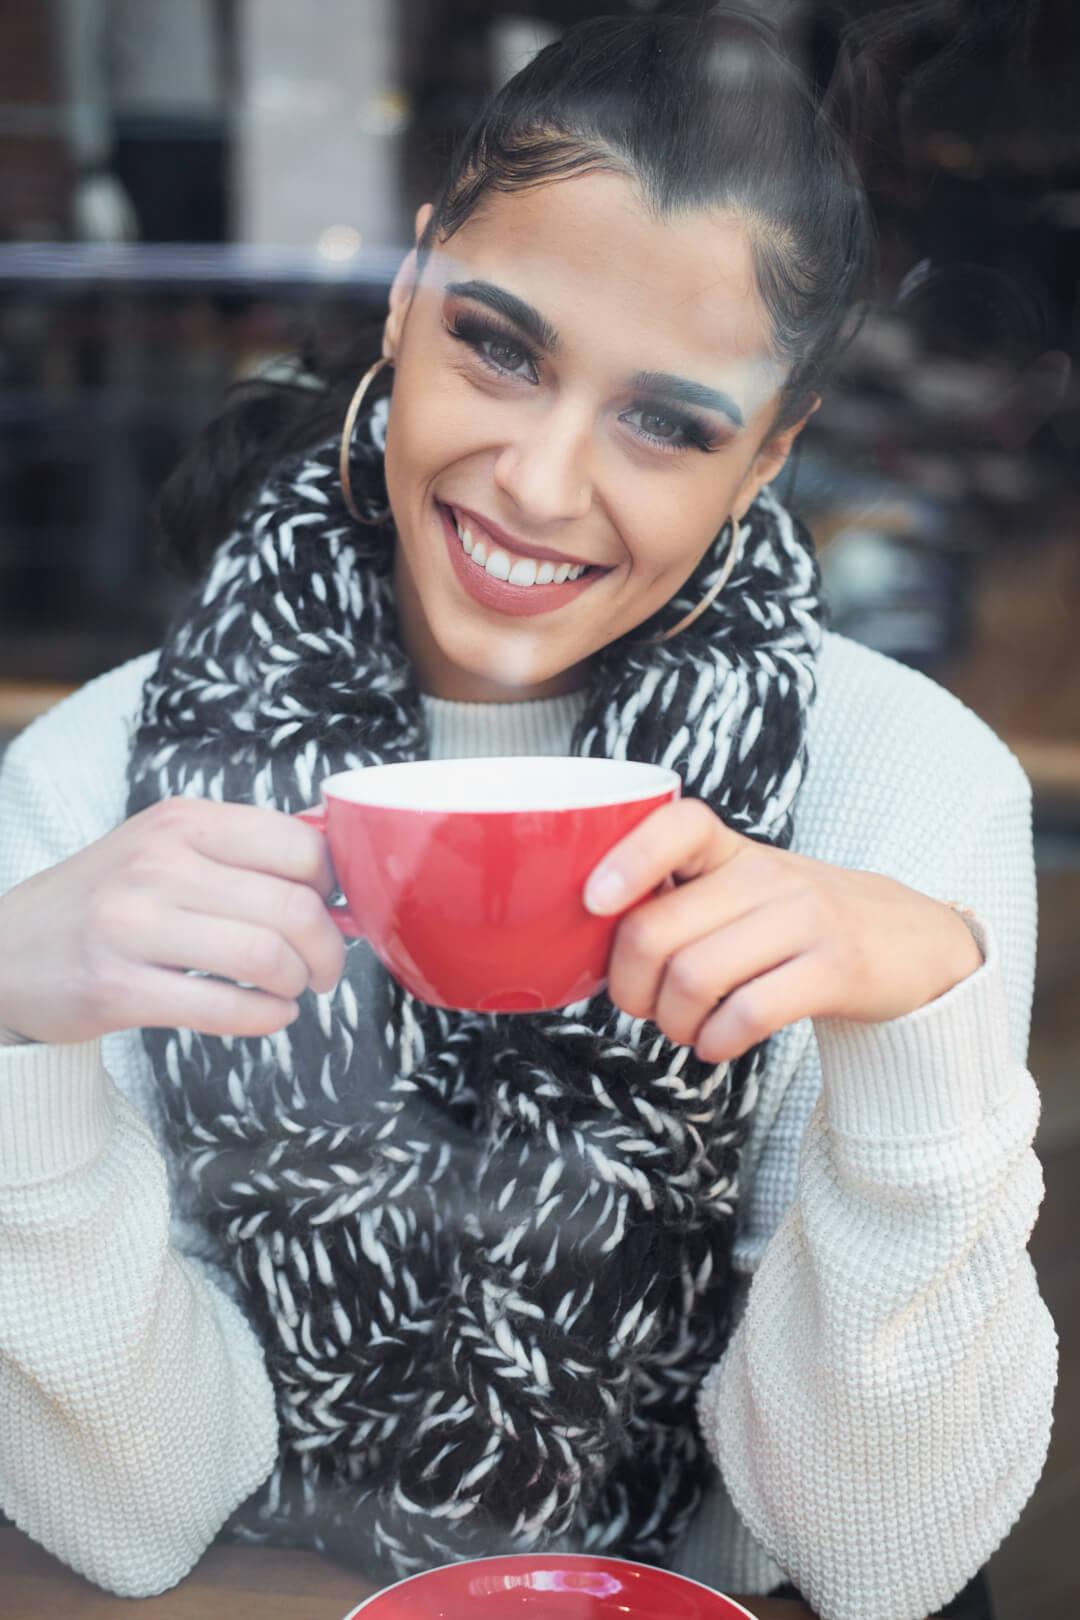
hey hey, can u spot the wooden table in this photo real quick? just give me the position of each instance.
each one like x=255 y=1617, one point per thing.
x=228 y=1583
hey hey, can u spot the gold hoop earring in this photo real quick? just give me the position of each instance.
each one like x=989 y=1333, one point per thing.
x=346 y=443
x=737 y=535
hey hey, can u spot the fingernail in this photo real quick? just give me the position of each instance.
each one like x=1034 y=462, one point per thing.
x=605 y=890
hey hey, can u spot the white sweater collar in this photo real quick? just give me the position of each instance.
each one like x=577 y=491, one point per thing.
x=482 y=730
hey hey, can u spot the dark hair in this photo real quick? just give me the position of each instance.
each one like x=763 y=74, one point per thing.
x=699 y=112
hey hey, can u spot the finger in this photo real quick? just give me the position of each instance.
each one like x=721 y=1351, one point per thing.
x=658 y=930
x=797 y=989
x=290 y=909
x=254 y=956
x=682 y=840
x=704 y=973
x=168 y=999
x=246 y=836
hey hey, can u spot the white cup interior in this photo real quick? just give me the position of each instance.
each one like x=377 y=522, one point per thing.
x=531 y=782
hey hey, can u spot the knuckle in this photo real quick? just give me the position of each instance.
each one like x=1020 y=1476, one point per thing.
x=690 y=977
x=171 y=816
x=303 y=913
x=748 y=1017
x=262 y=957
x=336 y=951
x=271 y=964
x=110 y=915
x=254 y=1017
x=225 y=1012
x=147 y=866
x=624 y=990
x=700 y=819
x=310 y=840
x=190 y=823
x=162 y=840
x=757 y=862
x=307 y=848
x=638 y=934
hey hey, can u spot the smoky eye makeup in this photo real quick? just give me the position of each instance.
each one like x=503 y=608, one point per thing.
x=714 y=413
x=654 y=419
x=495 y=345
x=672 y=427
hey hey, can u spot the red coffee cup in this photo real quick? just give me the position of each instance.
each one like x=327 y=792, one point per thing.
x=548 y=1586
x=466 y=875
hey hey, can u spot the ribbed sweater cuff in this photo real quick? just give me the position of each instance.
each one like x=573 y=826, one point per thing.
x=886 y=1080
x=55 y=1110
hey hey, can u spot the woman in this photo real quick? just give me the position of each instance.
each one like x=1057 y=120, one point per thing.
x=439 y=1283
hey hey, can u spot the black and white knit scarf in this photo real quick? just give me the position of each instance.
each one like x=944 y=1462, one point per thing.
x=488 y=1255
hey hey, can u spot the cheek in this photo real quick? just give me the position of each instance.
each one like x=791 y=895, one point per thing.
x=667 y=527
x=409 y=464
x=423 y=437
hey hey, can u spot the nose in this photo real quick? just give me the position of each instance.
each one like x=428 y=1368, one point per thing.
x=545 y=465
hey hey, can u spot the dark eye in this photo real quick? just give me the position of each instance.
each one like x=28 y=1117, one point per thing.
x=505 y=354
x=667 y=430
x=659 y=426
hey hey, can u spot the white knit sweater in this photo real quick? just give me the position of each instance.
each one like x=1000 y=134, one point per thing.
x=883 y=1410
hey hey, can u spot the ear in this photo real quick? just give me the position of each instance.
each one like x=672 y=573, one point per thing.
x=403 y=287
x=768 y=462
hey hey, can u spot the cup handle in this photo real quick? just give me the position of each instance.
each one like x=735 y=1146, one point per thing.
x=340 y=915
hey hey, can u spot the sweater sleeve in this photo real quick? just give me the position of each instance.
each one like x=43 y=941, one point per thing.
x=135 y=1408
x=868 y=1416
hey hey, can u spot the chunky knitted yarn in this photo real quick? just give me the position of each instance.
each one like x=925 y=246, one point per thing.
x=488 y=1255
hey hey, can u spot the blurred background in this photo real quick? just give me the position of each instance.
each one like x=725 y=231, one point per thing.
x=190 y=190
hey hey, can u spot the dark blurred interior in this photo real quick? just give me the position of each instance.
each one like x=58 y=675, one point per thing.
x=190 y=188
x=166 y=226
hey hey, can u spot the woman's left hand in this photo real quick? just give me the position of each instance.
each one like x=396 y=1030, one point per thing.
x=743 y=939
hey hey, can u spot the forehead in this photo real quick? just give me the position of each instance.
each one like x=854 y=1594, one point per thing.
x=588 y=254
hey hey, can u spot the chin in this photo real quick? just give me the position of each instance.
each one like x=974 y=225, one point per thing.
x=513 y=664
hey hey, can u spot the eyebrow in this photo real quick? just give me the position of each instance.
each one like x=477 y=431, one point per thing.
x=529 y=320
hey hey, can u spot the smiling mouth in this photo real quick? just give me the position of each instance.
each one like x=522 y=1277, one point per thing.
x=503 y=563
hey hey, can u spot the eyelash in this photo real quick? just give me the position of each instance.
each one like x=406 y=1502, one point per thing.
x=695 y=434
x=475 y=331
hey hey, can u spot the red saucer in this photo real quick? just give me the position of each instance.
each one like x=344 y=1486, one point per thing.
x=548 y=1586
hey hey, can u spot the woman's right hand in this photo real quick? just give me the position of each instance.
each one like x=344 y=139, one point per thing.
x=101 y=941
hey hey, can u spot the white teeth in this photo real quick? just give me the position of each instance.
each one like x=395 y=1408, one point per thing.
x=523 y=572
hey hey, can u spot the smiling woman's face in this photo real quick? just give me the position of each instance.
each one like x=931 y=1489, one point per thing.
x=576 y=383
